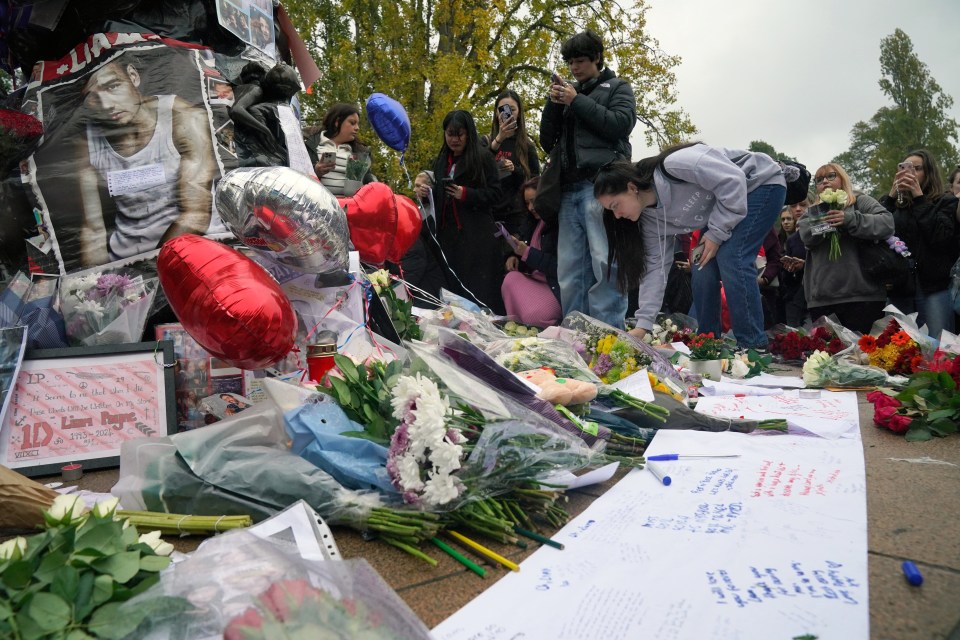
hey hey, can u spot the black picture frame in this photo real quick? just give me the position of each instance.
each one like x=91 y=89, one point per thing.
x=161 y=352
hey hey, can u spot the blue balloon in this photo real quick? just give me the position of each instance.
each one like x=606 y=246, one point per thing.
x=389 y=120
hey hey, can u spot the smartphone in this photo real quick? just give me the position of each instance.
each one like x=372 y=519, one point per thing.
x=905 y=165
x=557 y=79
x=695 y=256
x=446 y=182
x=329 y=156
x=503 y=233
x=505 y=112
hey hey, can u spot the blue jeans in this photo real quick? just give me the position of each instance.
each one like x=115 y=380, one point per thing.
x=934 y=310
x=735 y=266
x=582 y=259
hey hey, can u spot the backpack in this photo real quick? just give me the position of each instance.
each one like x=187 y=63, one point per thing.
x=796 y=175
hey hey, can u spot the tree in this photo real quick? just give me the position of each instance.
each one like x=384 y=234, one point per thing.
x=437 y=55
x=917 y=119
x=759 y=146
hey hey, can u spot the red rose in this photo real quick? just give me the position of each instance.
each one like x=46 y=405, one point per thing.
x=883 y=414
x=899 y=423
x=880 y=399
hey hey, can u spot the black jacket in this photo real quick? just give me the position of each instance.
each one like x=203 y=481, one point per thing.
x=930 y=231
x=598 y=122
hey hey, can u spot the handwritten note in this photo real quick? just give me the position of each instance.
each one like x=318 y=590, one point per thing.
x=705 y=558
x=65 y=410
x=124 y=181
x=832 y=415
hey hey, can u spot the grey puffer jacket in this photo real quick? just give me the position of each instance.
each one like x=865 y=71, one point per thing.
x=827 y=282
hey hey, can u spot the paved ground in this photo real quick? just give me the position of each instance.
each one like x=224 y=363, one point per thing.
x=913 y=511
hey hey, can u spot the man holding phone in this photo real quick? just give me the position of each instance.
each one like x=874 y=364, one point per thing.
x=590 y=119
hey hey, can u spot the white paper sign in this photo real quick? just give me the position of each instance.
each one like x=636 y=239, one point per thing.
x=733 y=548
x=124 y=181
x=637 y=384
x=298 y=157
x=833 y=415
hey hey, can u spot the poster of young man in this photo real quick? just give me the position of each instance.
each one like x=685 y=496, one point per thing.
x=129 y=156
x=251 y=21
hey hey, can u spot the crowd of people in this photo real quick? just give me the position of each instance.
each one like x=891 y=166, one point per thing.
x=698 y=229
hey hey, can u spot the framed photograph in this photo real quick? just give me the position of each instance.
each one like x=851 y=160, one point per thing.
x=78 y=405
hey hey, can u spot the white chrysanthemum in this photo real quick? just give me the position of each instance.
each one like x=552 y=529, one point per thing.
x=82 y=284
x=91 y=307
x=405 y=392
x=409 y=473
x=446 y=457
x=440 y=489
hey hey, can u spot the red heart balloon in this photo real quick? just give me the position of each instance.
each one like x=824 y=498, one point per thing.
x=383 y=226
x=227 y=302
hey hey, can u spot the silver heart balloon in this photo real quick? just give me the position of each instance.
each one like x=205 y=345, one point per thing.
x=287 y=217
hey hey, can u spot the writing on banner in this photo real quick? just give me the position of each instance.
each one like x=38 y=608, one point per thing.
x=758 y=585
x=778 y=479
x=707 y=518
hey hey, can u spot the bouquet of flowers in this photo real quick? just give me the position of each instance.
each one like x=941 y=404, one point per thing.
x=523 y=354
x=19 y=133
x=512 y=328
x=611 y=353
x=928 y=406
x=747 y=364
x=401 y=311
x=798 y=344
x=667 y=330
x=106 y=308
x=823 y=370
x=471 y=325
x=71 y=578
x=832 y=200
x=894 y=350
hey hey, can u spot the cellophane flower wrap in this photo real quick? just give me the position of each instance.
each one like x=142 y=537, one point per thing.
x=837 y=371
x=106 y=307
x=473 y=326
x=826 y=334
x=523 y=354
x=613 y=354
x=671 y=328
x=243 y=587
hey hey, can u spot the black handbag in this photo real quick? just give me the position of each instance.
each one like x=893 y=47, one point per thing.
x=883 y=265
x=550 y=189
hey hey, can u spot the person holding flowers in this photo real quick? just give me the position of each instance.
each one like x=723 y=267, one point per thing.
x=925 y=220
x=836 y=284
x=735 y=196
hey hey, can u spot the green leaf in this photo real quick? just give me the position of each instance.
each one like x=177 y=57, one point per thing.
x=102 y=589
x=78 y=634
x=108 y=622
x=154 y=563
x=49 y=611
x=18 y=575
x=943 y=427
x=347 y=368
x=83 y=603
x=49 y=566
x=938 y=414
x=5 y=611
x=103 y=538
x=122 y=566
x=342 y=391
x=918 y=434
x=66 y=583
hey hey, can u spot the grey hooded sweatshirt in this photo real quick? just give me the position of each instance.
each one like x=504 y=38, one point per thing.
x=709 y=188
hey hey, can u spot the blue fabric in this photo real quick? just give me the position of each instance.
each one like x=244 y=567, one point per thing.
x=735 y=266
x=356 y=463
x=582 y=259
x=46 y=329
x=934 y=310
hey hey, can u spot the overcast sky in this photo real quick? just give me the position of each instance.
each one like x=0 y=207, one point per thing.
x=753 y=69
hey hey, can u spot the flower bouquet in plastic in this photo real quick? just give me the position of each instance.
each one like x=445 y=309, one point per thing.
x=523 y=354
x=795 y=345
x=471 y=325
x=239 y=586
x=672 y=328
x=106 y=307
x=836 y=371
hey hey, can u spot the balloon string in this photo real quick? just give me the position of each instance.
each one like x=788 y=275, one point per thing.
x=341 y=300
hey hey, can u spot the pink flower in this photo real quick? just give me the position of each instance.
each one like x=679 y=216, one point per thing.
x=246 y=626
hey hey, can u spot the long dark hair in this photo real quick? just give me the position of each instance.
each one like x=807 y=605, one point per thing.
x=522 y=138
x=334 y=118
x=625 y=241
x=471 y=159
x=932 y=185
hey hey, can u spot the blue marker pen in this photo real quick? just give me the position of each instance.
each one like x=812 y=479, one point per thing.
x=913 y=574
x=658 y=474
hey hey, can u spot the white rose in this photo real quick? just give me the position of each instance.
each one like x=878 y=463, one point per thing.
x=66 y=509
x=841 y=199
x=738 y=368
x=13 y=549
x=153 y=541
x=107 y=508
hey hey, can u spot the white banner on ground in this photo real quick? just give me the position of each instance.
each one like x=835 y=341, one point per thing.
x=733 y=548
